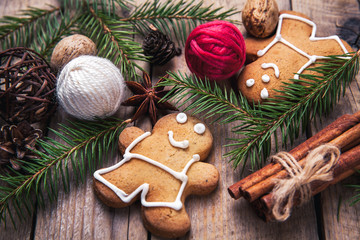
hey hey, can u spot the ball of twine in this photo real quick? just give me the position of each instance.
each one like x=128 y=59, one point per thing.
x=90 y=87
x=215 y=50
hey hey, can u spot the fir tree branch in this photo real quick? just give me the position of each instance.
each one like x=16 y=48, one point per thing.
x=21 y=31
x=206 y=92
x=54 y=32
x=37 y=29
x=108 y=7
x=82 y=141
x=301 y=102
x=114 y=40
x=178 y=18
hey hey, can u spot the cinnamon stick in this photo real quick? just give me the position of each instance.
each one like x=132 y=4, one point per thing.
x=330 y=132
x=348 y=162
x=265 y=186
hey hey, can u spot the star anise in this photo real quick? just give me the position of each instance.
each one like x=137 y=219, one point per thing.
x=148 y=97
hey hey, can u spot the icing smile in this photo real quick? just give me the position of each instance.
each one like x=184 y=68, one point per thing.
x=180 y=144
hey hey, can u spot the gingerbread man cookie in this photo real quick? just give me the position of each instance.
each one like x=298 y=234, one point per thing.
x=161 y=168
x=282 y=57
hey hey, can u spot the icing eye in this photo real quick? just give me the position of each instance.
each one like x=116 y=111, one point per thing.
x=181 y=118
x=199 y=128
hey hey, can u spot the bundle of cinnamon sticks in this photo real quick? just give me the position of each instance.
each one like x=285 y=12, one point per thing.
x=344 y=133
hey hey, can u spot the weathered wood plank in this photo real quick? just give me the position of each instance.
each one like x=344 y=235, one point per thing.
x=80 y=215
x=218 y=216
x=136 y=229
x=327 y=15
x=10 y=7
x=91 y=219
x=24 y=228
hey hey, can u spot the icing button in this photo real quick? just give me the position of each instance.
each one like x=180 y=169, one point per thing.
x=250 y=82
x=264 y=93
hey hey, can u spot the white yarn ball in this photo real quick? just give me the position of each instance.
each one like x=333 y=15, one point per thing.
x=89 y=87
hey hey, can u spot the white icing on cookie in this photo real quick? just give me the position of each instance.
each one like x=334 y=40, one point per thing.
x=264 y=93
x=144 y=188
x=180 y=144
x=181 y=118
x=272 y=65
x=312 y=58
x=265 y=78
x=250 y=82
x=199 y=128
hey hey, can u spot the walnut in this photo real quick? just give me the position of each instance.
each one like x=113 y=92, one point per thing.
x=71 y=47
x=260 y=17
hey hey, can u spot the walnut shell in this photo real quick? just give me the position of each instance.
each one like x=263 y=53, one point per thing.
x=71 y=47
x=260 y=17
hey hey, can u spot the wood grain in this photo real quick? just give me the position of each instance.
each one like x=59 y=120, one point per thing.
x=327 y=15
x=25 y=227
x=220 y=217
x=80 y=215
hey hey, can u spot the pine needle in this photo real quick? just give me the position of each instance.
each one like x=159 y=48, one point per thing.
x=114 y=40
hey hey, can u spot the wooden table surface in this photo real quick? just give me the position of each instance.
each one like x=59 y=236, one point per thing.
x=80 y=215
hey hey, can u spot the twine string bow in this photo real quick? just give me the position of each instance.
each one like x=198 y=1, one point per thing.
x=318 y=166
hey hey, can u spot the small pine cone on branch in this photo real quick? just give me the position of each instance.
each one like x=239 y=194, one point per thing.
x=159 y=47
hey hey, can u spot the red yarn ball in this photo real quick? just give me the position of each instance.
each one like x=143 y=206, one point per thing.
x=215 y=50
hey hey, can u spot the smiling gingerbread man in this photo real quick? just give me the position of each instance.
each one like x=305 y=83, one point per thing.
x=293 y=49
x=161 y=168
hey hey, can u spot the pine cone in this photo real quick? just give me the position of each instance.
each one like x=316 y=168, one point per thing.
x=159 y=47
x=15 y=144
